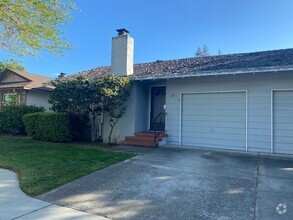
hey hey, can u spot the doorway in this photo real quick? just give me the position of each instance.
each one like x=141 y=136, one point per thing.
x=157 y=108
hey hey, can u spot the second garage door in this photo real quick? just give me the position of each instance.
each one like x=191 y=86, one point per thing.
x=283 y=122
x=214 y=120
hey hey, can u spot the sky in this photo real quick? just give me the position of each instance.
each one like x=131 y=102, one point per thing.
x=167 y=29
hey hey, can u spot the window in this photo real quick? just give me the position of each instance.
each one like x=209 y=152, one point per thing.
x=11 y=98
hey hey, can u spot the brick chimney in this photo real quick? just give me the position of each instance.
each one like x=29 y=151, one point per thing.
x=122 y=53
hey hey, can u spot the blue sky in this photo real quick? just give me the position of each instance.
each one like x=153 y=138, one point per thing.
x=168 y=29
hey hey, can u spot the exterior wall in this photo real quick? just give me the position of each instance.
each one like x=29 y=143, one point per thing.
x=141 y=107
x=38 y=98
x=11 y=77
x=259 y=88
x=136 y=118
x=126 y=125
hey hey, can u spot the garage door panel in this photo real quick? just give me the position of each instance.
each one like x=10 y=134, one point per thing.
x=207 y=106
x=211 y=124
x=208 y=135
x=208 y=112
x=283 y=121
x=218 y=130
x=209 y=96
x=214 y=124
x=214 y=118
x=236 y=145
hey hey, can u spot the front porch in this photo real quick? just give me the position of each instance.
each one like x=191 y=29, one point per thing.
x=150 y=115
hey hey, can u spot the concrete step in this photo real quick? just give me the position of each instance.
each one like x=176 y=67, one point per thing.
x=140 y=143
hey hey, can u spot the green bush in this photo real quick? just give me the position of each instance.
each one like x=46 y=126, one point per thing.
x=55 y=127
x=11 y=118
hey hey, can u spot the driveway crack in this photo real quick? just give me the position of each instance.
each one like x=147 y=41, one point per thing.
x=257 y=177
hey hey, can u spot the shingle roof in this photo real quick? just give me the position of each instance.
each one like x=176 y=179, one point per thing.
x=34 y=81
x=229 y=62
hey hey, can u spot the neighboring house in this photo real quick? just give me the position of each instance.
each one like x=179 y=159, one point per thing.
x=19 y=87
x=238 y=102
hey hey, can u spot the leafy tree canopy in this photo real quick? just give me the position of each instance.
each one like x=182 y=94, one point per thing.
x=11 y=64
x=27 y=26
x=102 y=95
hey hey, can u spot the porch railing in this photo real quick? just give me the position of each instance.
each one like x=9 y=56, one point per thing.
x=157 y=132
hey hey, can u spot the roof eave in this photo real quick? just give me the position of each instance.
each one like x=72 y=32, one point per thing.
x=215 y=73
x=39 y=89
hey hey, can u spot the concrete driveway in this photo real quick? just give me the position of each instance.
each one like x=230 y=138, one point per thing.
x=184 y=184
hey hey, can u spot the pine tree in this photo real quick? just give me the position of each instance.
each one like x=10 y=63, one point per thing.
x=205 y=50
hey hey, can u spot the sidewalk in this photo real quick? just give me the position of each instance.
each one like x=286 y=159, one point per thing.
x=14 y=204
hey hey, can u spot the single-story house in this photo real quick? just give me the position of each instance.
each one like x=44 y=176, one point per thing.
x=240 y=102
x=19 y=87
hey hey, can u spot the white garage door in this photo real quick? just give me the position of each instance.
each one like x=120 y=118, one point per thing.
x=283 y=122
x=214 y=120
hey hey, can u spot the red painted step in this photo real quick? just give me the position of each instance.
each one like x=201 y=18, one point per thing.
x=144 y=139
x=150 y=134
x=140 y=144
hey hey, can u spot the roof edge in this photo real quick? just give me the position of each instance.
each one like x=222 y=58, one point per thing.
x=215 y=73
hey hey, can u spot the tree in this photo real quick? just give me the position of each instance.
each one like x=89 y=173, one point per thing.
x=205 y=50
x=79 y=95
x=202 y=52
x=29 y=26
x=199 y=52
x=93 y=96
x=11 y=64
x=117 y=102
x=219 y=52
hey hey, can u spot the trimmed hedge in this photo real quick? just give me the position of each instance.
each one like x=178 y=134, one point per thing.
x=55 y=127
x=11 y=118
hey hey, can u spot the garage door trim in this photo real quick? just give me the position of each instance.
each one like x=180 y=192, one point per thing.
x=272 y=114
x=215 y=92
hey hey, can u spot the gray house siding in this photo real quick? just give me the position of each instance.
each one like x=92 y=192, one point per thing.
x=259 y=89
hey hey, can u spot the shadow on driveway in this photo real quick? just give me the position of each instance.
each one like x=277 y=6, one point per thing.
x=169 y=183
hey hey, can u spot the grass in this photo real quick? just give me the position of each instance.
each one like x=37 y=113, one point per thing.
x=42 y=166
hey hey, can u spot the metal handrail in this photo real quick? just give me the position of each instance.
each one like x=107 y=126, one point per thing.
x=159 y=132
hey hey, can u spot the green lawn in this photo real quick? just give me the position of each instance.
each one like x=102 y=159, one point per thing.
x=42 y=166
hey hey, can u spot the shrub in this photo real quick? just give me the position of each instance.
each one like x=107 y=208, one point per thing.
x=11 y=118
x=55 y=127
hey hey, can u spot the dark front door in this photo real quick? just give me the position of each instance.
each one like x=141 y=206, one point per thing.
x=158 y=101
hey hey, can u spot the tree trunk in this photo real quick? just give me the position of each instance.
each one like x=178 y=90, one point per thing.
x=112 y=124
x=102 y=125
x=94 y=130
